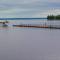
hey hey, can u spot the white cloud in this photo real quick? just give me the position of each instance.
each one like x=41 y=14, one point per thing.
x=47 y=12
x=55 y=12
x=54 y=1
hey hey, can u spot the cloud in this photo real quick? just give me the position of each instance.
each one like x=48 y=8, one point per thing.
x=28 y=8
x=52 y=12
x=54 y=1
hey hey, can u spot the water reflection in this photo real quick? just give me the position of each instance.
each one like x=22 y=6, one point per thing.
x=29 y=44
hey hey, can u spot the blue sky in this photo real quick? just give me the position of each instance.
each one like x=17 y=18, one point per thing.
x=28 y=8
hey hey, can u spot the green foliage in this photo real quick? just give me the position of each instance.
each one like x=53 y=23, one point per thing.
x=52 y=17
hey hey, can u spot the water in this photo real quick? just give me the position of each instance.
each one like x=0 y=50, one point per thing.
x=29 y=43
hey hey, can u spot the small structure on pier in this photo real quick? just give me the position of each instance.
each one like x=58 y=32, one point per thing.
x=3 y=23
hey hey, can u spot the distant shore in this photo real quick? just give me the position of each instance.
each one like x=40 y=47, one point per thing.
x=52 y=17
x=20 y=18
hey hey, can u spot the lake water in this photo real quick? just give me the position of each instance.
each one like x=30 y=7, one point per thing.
x=29 y=43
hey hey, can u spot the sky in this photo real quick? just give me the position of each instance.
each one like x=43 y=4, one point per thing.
x=28 y=8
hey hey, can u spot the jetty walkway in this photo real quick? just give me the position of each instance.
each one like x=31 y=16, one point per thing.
x=37 y=26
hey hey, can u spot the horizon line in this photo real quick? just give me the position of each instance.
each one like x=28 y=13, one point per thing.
x=22 y=18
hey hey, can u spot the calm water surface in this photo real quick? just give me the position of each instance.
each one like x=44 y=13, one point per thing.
x=29 y=44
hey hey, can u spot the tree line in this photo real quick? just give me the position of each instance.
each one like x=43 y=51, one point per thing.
x=52 y=17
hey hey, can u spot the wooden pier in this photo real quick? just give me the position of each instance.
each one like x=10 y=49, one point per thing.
x=36 y=26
